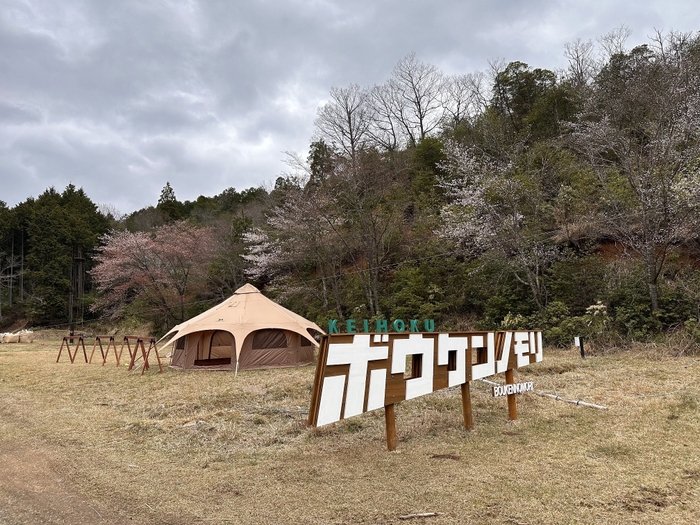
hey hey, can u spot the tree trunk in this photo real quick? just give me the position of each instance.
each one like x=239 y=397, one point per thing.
x=336 y=295
x=370 y=299
x=325 y=294
x=375 y=289
x=652 y=278
x=654 y=296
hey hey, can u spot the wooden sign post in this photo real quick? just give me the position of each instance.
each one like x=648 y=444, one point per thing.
x=390 y=421
x=512 y=408
x=467 y=406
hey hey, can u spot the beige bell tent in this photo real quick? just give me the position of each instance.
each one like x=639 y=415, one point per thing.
x=246 y=331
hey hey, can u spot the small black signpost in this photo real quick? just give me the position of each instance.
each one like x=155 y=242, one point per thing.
x=578 y=341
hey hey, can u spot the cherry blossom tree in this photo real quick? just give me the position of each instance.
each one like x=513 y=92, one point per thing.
x=348 y=222
x=497 y=210
x=163 y=271
x=297 y=249
x=640 y=131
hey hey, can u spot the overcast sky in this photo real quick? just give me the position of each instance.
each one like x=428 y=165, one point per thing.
x=118 y=97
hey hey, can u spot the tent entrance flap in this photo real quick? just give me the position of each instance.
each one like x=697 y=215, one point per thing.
x=215 y=348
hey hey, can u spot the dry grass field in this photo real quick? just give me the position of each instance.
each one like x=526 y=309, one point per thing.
x=86 y=444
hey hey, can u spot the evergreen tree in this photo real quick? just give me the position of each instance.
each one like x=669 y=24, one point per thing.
x=168 y=205
x=62 y=233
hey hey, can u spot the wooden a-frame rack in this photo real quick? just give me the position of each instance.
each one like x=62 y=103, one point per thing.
x=140 y=344
x=68 y=341
x=105 y=352
x=136 y=353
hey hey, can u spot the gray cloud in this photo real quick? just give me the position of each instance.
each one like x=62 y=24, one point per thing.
x=120 y=97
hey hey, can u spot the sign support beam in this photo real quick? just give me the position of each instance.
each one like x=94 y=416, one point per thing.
x=512 y=408
x=390 y=417
x=467 y=406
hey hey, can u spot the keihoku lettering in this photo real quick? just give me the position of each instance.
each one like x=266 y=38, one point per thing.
x=358 y=373
x=352 y=326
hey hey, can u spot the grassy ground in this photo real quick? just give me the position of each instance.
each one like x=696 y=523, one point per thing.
x=90 y=444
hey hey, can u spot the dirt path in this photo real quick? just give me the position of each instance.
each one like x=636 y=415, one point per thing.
x=35 y=489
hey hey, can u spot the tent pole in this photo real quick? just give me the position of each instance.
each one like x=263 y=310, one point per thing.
x=236 y=374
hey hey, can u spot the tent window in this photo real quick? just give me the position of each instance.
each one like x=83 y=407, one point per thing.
x=180 y=344
x=305 y=341
x=269 y=339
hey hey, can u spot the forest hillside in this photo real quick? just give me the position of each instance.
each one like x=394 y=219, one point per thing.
x=515 y=197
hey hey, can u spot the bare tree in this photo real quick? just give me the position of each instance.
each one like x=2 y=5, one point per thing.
x=417 y=88
x=409 y=106
x=369 y=212
x=583 y=65
x=384 y=128
x=414 y=103
x=344 y=121
x=613 y=42
x=8 y=274
x=464 y=97
x=298 y=249
x=345 y=226
x=227 y=269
